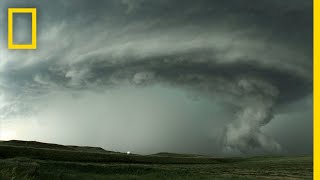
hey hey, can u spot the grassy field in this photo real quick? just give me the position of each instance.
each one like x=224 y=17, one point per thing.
x=34 y=160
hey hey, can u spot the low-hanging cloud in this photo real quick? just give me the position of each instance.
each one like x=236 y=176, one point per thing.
x=254 y=59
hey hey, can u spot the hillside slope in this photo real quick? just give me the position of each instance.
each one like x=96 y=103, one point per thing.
x=35 y=160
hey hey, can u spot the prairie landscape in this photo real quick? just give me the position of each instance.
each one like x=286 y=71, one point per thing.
x=35 y=160
x=205 y=89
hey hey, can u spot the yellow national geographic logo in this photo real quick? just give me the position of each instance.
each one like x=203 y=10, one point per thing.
x=33 y=12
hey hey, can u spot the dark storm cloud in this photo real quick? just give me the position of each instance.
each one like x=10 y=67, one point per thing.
x=257 y=55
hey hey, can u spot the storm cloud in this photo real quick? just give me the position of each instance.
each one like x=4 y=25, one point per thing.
x=250 y=62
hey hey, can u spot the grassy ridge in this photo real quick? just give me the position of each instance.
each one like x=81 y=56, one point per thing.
x=100 y=157
x=33 y=160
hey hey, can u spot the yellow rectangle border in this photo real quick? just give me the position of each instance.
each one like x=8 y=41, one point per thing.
x=316 y=89
x=33 y=44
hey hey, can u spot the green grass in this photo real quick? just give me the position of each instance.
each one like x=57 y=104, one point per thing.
x=33 y=160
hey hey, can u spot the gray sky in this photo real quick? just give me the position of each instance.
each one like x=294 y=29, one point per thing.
x=208 y=77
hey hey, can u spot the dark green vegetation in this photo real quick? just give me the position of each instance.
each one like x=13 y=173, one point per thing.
x=34 y=160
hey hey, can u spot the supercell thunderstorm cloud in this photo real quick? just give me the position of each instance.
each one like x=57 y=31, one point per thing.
x=208 y=77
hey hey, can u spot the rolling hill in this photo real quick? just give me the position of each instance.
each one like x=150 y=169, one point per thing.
x=36 y=160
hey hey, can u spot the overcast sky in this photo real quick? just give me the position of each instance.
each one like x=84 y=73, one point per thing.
x=207 y=77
